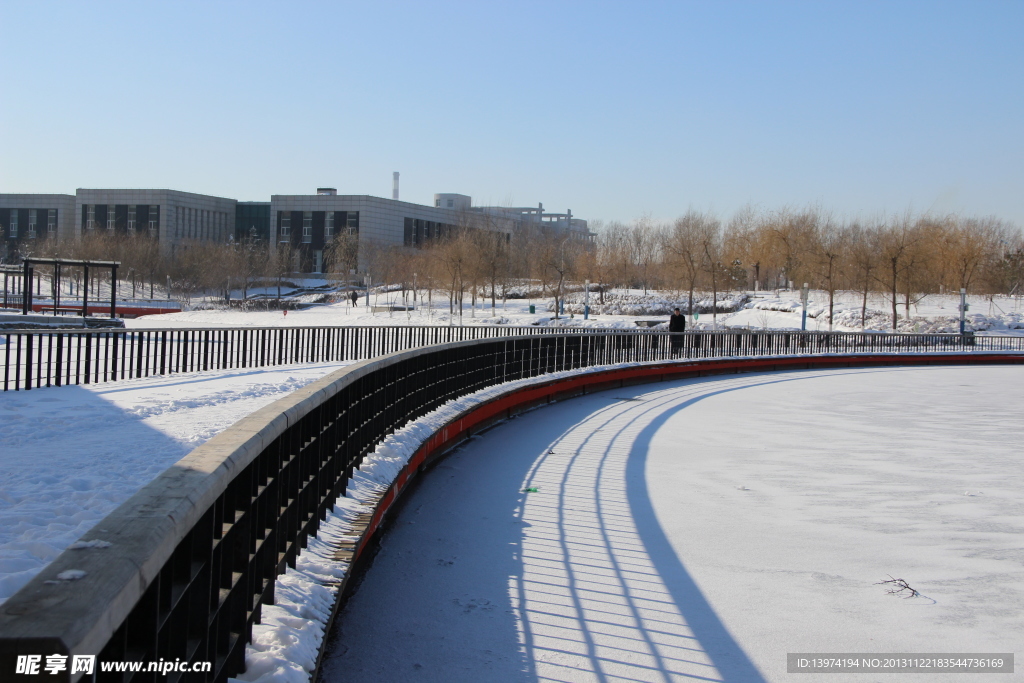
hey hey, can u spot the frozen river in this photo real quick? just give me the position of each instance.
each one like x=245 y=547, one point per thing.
x=702 y=529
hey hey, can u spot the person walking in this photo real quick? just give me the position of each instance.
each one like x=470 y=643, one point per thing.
x=355 y=298
x=677 y=323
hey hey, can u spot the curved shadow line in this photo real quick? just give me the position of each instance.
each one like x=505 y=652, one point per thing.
x=745 y=669
x=727 y=655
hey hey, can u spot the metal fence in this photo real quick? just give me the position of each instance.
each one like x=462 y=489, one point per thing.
x=44 y=358
x=199 y=548
x=38 y=358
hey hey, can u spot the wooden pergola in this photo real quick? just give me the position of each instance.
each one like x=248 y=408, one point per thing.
x=58 y=263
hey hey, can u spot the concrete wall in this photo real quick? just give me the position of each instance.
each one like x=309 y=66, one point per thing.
x=64 y=203
x=184 y=216
x=381 y=220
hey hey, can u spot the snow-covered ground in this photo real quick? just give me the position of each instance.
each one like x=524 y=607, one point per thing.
x=702 y=529
x=934 y=313
x=762 y=310
x=70 y=455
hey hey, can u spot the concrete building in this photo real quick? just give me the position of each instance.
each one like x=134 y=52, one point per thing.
x=169 y=216
x=252 y=221
x=28 y=219
x=537 y=217
x=307 y=223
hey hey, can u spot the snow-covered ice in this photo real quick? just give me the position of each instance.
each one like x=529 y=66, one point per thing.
x=70 y=455
x=703 y=529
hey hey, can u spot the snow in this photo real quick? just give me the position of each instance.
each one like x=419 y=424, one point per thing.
x=71 y=575
x=294 y=626
x=602 y=571
x=934 y=314
x=705 y=528
x=754 y=310
x=70 y=455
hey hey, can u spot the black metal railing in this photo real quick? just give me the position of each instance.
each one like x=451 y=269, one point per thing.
x=38 y=358
x=44 y=358
x=257 y=491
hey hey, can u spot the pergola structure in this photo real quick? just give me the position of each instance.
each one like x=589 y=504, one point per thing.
x=58 y=263
x=9 y=273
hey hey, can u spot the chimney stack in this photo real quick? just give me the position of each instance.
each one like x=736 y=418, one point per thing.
x=394 y=189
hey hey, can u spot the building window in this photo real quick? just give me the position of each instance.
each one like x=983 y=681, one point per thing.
x=352 y=222
x=14 y=223
x=437 y=203
x=51 y=221
x=154 y=219
x=451 y=203
x=329 y=225
x=286 y=225
x=90 y=216
x=111 y=216
x=307 y=226
x=131 y=218
x=32 y=224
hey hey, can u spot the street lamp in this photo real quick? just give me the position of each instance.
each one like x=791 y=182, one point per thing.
x=803 y=301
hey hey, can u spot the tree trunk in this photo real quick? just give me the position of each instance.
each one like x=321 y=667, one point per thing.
x=894 y=290
x=714 y=300
x=864 y=308
x=831 y=306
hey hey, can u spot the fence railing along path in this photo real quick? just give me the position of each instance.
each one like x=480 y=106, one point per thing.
x=44 y=358
x=180 y=570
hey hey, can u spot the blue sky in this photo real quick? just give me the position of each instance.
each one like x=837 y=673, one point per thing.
x=613 y=110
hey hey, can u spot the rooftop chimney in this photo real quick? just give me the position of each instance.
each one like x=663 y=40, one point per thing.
x=394 y=188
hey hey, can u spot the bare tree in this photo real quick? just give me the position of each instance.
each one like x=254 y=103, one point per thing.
x=559 y=258
x=642 y=243
x=453 y=253
x=281 y=263
x=710 y=241
x=491 y=250
x=973 y=244
x=896 y=242
x=829 y=245
x=683 y=245
x=864 y=260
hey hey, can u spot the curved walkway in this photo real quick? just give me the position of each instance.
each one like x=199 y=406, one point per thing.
x=702 y=529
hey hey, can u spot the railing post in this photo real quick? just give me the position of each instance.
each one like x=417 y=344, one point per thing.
x=88 y=357
x=28 y=357
x=113 y=360
x=163 y=352
x=60 y=357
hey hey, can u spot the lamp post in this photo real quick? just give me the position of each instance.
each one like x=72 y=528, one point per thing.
x=963 y=308
x=803 y=301
x=586 y=299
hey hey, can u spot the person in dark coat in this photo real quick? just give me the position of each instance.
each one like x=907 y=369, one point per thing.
x=355 y=297
x=677 y=323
